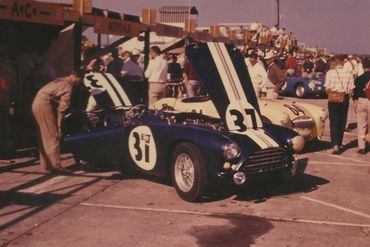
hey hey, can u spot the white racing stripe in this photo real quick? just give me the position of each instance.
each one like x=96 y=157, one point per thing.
x=364 y=215
x=121 y=92
x=103 y=81
x=236 y=94
x=188 y=212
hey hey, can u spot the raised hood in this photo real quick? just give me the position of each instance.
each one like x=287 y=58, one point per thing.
x=224 y=76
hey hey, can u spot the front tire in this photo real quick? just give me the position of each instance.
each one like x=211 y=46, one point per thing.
x=188 y=172
x=300 y=91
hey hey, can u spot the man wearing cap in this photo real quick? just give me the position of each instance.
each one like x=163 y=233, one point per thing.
x=276 y=76
x=157 y=75
x=133 y=75
x=49 y=107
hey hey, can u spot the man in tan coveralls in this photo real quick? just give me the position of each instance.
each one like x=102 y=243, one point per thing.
x=49 y=106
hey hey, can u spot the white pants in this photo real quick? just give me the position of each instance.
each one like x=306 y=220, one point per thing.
x=363 y=121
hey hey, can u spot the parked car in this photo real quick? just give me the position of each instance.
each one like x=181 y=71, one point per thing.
x=302 y=87
x=306 y=119
x=195 y=150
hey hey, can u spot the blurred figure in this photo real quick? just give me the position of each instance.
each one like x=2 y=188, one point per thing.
x=49 y=107
x=275 y=77
x=175 y=75
x=42 y=72
x=338 y=80
x=7 y=87
x=157 y=75
x=115 y=66
x=321 y=65
x=133 y=75
x=362 y=107
x=131 y=68
x=257 y=73
x=360 y=69
x=291 y=64
x=308 y=68
x=192 y=83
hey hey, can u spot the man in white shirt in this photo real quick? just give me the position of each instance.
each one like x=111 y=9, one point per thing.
x=339 y=80
x=257 y=73
x=157 y=75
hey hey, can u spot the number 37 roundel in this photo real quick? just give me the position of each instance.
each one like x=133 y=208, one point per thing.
x=142 y=147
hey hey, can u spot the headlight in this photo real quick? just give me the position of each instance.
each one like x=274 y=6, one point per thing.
x=311 y=85
x=324 y=115
x=303 y=122
x=231 y=151
x=298 y=143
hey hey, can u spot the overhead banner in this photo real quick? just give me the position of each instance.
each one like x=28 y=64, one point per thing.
x=170 y=31
x=32 y=11
x=117 y=27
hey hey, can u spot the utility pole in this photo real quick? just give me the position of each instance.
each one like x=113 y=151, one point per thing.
x=278 y=13
x=78 y=6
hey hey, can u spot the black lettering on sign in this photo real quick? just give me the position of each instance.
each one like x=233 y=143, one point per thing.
x=295 y=109
x=137 y=146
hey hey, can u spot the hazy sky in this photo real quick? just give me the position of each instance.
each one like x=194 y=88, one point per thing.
x=340 y=25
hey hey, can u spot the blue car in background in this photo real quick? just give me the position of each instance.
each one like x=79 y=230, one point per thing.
x=302 y=87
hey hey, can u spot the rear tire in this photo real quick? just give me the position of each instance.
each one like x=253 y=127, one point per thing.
x=188 y=172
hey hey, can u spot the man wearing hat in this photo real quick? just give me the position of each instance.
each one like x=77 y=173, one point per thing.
x=134 y=77
x=49 y=106
x=275 y=76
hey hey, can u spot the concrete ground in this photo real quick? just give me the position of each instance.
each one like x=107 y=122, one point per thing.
x=328 y=203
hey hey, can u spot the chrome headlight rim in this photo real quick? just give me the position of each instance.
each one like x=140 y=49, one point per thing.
x=231 y=151
x=296 y=122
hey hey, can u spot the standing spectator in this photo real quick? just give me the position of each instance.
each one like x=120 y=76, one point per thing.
x=131 y=69
x=157 y=75
x=347 y=65
x=192 y=83
x=175 y=74
x=115 y=66
x=257 y=73
x=321 y=65
x=308 y=69
x=174 y=69
x=276 y=77
x=291 y=64
x=362 y=107
x=133 y=75
x=360 y=66
x=49 y=107
x=338 y=80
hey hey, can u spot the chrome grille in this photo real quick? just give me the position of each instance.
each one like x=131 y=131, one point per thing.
x=266 y=162
x=304 y=122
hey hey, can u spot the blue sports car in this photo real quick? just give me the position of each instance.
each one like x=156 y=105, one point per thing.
x=195 y=150
x=302 y=87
